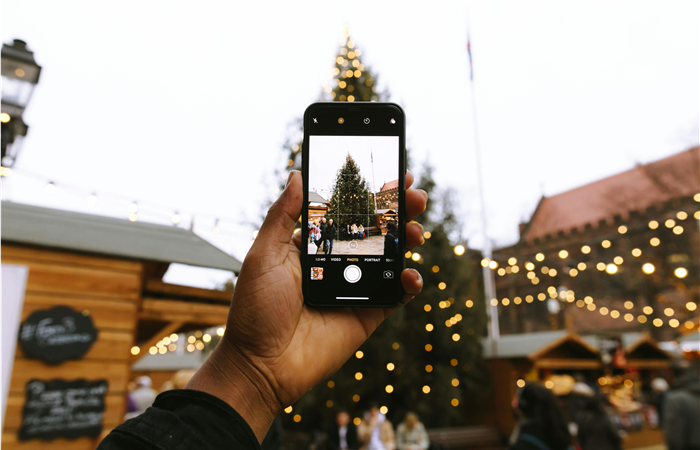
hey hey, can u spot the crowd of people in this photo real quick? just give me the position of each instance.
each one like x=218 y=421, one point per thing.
x=376 y=432
x=323 y=232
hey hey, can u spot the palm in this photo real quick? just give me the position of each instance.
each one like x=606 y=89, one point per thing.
x=303 y=337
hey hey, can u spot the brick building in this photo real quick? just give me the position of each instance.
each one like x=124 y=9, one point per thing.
x=388 y=196
x=621 y=253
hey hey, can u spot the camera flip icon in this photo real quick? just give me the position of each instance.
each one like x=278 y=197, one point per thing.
x=388 y=274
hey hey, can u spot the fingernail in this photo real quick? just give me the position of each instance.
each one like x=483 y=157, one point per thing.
x=289 y=178
x=424 y=193
x=419 y=278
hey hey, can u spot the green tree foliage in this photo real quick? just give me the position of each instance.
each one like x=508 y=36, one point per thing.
x=351 y=201
x=419 y=348
x=350 y=81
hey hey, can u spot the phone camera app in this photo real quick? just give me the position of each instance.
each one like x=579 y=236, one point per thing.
x=388 y=274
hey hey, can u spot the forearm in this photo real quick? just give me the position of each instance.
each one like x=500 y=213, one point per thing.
x=227 y=374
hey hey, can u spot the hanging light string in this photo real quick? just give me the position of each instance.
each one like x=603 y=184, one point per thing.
x=134 y=206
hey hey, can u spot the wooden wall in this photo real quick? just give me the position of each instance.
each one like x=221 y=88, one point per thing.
x=110 y=289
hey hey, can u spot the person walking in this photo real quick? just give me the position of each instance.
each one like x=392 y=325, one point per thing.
x=329 y=237
x=376 y=432
x=541 y=425
x=411 y=434
x=361 y=229
x=342 y=435
x=681 y=414
x=142 y=397
x=391 y=240
x=595 y=429
x=323 y=227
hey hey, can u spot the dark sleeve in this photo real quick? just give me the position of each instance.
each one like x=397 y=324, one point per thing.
x=182 y=420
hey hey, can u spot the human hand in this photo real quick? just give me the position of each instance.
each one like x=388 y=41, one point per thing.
x=275 y=347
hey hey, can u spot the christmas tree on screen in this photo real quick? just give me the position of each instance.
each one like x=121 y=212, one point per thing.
x=351 y=201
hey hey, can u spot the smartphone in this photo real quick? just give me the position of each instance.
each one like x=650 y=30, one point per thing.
x=353 y=221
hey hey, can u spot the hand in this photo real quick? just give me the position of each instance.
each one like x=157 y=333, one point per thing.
x=275 y=348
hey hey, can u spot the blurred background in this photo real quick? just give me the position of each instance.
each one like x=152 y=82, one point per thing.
x=143 y=143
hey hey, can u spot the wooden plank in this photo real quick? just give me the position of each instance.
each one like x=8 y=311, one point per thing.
x=568 y=364
x=115 y=408
x=40 y=254
x=10 y=442
x=116 y=373
x=163 y=332
x=175 y=290
x=648 y=363
x=109 y=346
x=183 y=311
x=110 y=314
x=52 y=278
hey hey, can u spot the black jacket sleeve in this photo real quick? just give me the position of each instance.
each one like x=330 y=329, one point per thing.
x=183 y=420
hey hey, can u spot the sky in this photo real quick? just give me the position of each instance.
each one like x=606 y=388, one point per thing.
x=185 y=107
x=327 y=154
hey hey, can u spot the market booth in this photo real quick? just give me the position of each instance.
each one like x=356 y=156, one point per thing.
x=532 y=357
x=622 y=368
x=93 y=303
x=634 y=361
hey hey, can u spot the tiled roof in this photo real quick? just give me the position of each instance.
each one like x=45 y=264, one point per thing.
x=633 y=190
x=390 y=185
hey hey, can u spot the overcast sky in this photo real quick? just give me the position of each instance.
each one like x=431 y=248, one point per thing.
x=327 y=154
x=184 y=106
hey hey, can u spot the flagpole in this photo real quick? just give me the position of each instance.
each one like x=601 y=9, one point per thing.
x=489 y=283
x=374 y=184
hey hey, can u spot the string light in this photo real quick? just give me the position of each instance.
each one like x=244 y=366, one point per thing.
x=618 y=260
x=681 y=215
x=614 y=314
x=636 y=252
x=459 y=250
x=670 y=223
x=642 y=319
x=681 y=272
x=654 y=241
x=585 y=249
x=512 y=261
x=539 y=257
x=653 y=224
x=690 y=306
x=135 y=350
x=677 y=230
x=563 y=254
x=49 y=188
x=175 y=218
x=359 y=354
x=648 y=310
x=606 y=244
x=622 y=229
x=493 y=264
x=648 y=268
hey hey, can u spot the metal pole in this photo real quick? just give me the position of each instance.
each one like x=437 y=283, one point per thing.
x=489 y=284
x=374 y=184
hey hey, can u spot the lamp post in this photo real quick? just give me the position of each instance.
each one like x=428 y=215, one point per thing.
x=20 y=74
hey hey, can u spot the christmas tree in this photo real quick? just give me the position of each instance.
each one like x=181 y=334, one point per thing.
x=351 y=201
x=350 y=81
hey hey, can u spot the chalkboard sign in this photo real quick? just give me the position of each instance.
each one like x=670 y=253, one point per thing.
x=57 y=334
x=58 y=408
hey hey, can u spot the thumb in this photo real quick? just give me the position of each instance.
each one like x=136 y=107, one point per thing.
x=277 y=229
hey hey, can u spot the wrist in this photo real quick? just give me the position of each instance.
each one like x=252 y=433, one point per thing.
x=230 y=376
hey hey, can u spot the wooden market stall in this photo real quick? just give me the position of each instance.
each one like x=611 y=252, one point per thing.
x=104 y=275
x=530 y=356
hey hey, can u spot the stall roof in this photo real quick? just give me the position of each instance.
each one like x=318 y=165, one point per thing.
x=33 y=225
x=314 y=197
x=169 y=361
x=521 y=345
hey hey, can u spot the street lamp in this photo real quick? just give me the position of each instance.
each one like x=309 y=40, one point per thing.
x=20 y=74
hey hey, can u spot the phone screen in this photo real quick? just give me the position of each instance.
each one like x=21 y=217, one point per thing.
x=353 y=222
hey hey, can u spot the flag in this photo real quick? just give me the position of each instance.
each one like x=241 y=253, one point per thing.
x=469 y=51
